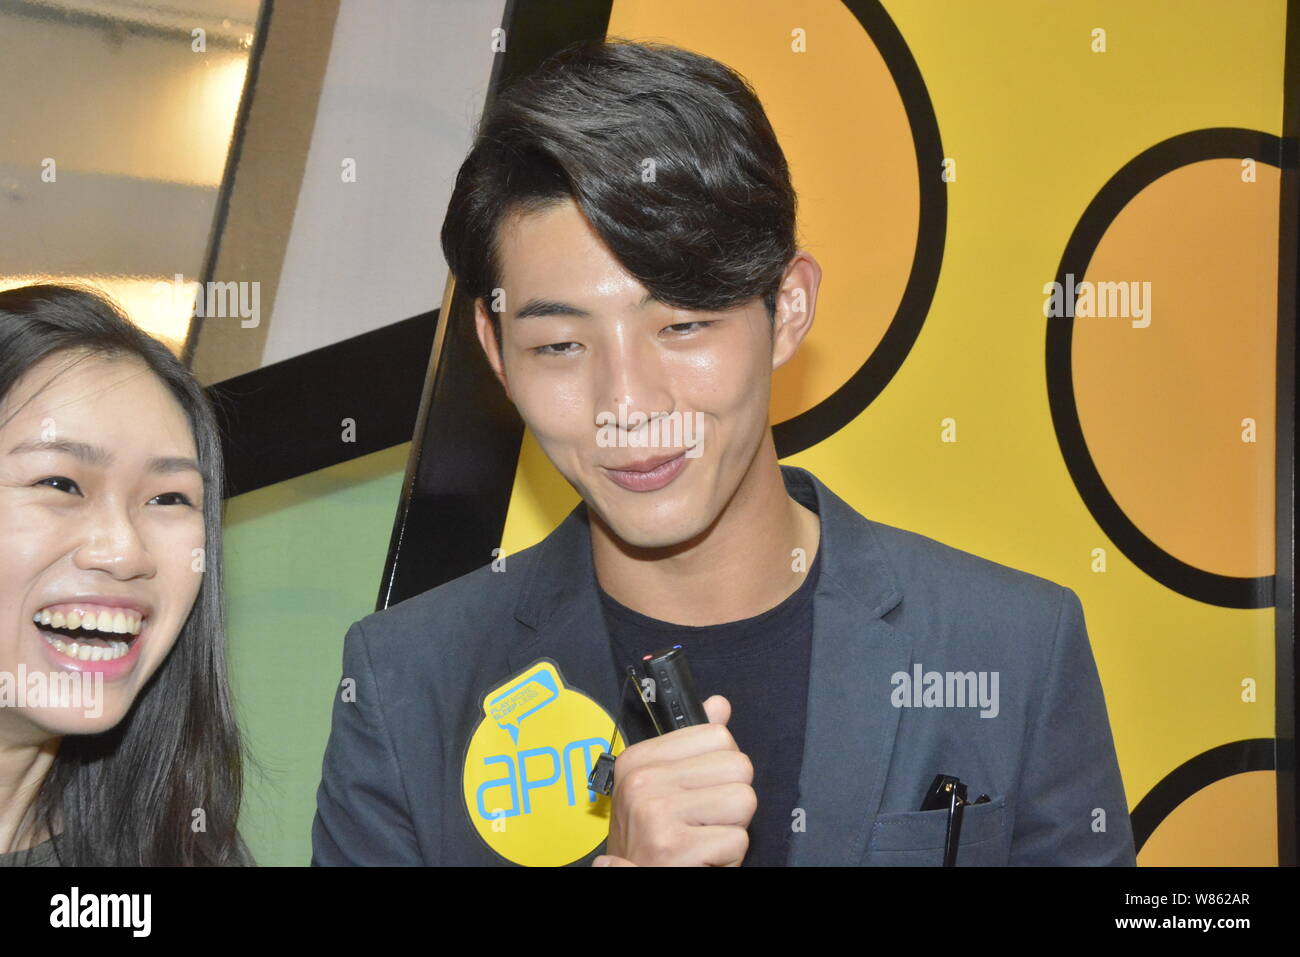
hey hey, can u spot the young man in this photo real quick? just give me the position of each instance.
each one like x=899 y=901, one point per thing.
x=626 y=226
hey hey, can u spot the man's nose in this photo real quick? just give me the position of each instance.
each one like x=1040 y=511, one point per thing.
x=632 y=376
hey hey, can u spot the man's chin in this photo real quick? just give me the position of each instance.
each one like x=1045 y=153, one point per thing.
x=653 y=536
x=651 y=540
x=644 y=523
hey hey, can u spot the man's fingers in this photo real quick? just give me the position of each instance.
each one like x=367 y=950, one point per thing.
x=674 y=746
x=718 y=709
x=722 y=805
x=709 y=769
x=692 y=787
x=719 y=846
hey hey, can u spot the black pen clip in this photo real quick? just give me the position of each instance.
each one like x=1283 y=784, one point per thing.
x=601 y=779
x=947 y=791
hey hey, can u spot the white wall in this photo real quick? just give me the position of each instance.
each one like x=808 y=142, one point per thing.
x=403 y=91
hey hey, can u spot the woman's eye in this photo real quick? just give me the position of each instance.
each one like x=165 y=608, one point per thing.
x=62 y=483
x=171 y=498
x=555 y=349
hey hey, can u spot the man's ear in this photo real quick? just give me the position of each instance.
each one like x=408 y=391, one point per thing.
x=491 y=348
x=796 y=301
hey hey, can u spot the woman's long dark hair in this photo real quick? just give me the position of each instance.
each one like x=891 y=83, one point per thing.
x=163 y=787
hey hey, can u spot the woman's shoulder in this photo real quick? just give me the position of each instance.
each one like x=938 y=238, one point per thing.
x=42 y=855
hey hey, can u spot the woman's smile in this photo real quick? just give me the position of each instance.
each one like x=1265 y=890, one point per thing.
x=95 y=634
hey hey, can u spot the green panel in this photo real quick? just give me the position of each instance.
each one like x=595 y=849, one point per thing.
x=303 y=561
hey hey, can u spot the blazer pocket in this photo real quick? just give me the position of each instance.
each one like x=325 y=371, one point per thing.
x=916 y=838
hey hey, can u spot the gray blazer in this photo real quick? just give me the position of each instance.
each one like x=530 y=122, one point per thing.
x=891 y=606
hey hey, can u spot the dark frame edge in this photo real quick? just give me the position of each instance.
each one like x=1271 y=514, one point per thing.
x=222 y=212
x=1288 y=804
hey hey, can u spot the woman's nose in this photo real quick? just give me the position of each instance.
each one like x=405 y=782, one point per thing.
x=113 y=544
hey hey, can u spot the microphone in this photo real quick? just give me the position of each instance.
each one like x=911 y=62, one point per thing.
x=671 y=701
x=674 y=702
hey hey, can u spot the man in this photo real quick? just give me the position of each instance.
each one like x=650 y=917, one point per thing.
x=626 y=226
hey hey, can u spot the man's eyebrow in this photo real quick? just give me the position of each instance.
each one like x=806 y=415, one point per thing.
x=536 y=307
x=82 y=451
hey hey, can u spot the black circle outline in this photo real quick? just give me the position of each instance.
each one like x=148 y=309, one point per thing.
x=861 y=389
x=1138 y=173
x=1236 y=757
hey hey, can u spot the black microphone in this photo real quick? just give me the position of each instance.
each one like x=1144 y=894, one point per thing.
x=673 y=700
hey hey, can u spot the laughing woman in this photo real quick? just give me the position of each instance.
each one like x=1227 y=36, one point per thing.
x=118 y=743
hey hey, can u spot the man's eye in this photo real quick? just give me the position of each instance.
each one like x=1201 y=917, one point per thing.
x=698 y=322
x=555 y=349
x=171 y=498
x=62 y=483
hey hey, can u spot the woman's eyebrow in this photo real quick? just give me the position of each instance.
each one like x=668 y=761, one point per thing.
x=95 y=455
x=173 y=463
x=83 y=451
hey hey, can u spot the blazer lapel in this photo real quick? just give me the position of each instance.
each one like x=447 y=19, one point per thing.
x=851 y=724
x=560 y=602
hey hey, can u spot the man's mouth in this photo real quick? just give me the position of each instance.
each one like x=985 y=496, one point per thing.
x=648 y=475
x=90 y=632
x=644 y=466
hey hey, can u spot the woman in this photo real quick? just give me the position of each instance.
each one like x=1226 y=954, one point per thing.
x=118 y=743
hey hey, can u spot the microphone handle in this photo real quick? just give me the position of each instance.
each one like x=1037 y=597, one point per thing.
x=676 y=702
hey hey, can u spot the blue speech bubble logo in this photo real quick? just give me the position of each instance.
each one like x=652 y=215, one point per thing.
x=514 y=704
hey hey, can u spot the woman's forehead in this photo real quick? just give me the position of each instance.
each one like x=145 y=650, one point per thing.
x=117 y=395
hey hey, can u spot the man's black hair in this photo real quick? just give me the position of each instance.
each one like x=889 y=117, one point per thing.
x=668 y=154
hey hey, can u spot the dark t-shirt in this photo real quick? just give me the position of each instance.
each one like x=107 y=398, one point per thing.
x=760 y=665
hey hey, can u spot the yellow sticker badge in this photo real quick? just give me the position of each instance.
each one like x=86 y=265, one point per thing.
x=526 y=769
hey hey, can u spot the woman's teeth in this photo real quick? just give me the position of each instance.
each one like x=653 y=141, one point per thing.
x=109 y=622
x=85 y=651
x=96 y=624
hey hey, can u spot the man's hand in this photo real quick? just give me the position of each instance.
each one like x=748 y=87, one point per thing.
x=683 y=798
